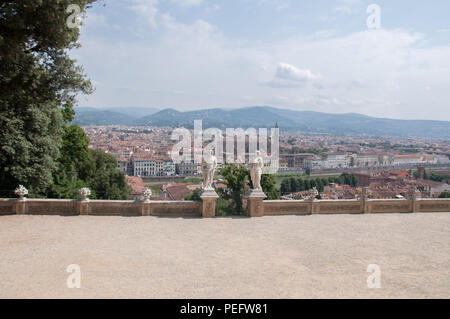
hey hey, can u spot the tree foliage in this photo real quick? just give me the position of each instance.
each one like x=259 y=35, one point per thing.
x=195 y=195
x=230 y=202
x=224 y=207
x=437 y=177
x=235 y=177
x=100 y=173
x=38 y=85
x=299 y=184
x=79 y=166
x=444 y=195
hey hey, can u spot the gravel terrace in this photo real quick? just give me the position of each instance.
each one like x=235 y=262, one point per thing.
x=320 y=256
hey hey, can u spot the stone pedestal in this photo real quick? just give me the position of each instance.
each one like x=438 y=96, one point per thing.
x=20 y=206
x=209 y=198
x=255 y=203
x=315 y=207
x=415 y=197
x=145 y=208
x=83 y=207
x=367 y=206
x=415 y=205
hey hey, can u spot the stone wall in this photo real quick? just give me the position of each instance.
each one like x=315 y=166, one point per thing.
x=6 y=207
x=434 y=205
x=339 y=207
x=100 y=207
x=206 y=207
x=284 y=207
x=354 y=206
x=49 y=207
x=114 y=208
x=391 y=206
x=183 y=208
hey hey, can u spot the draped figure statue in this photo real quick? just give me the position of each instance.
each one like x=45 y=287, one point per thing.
x=209 y=165
x=256 y=171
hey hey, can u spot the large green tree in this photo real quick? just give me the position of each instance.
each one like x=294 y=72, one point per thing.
x=235 y=177
x=100 y=173
x=38 y=85
x=79 y=166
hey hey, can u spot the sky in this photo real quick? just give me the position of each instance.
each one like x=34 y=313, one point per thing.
x=317 y=55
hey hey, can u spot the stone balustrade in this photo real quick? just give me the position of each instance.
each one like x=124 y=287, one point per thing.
x=206 y=207
x=353 y=206
x=100 y=207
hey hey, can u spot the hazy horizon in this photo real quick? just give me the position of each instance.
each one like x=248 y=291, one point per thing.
x=248 y=106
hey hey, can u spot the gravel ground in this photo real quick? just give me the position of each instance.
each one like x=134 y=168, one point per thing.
x=270 y=257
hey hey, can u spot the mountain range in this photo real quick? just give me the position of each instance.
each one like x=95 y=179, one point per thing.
x=265 y=116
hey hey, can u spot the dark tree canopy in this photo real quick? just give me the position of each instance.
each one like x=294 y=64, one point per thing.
x=235 y=177
x=444 y=195
x=299 y=184
x=38 y=85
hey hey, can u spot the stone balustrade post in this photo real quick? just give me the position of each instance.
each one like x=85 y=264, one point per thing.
x=146 y=208
x=415 y=197
x=315 y=206
x=367 y=206
x=255 y=206
x=209 y=198
x=146 y=203
x=255 y=203
x=414 y=206
x=20 y=206
x=83 y=207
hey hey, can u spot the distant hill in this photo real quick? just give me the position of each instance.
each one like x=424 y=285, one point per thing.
x=264 y=116
x=136 y=112
x=114 y=116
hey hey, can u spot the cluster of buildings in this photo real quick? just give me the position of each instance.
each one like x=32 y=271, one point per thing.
x=346 y=160
x=316 y=152
x=140 y=151
x=398 y=184
x=146 y=165
x=382 y=184
x=145 y=151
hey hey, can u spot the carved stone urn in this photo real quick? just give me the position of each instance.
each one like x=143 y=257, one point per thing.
x=415 y=193
x=85 y=192
x=147 y=193
x=366 y=192
x=21 y=191
x=313 y=193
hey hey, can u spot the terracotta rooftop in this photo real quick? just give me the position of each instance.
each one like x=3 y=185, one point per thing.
x=136 y=184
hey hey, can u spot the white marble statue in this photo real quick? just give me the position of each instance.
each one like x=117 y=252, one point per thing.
x=256 y=168
x=209 y=165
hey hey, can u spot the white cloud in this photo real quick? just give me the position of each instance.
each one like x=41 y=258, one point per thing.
x=375 y=72
x=147 y=9
x=289 y=76
x=187 y=3
x=289 y=72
